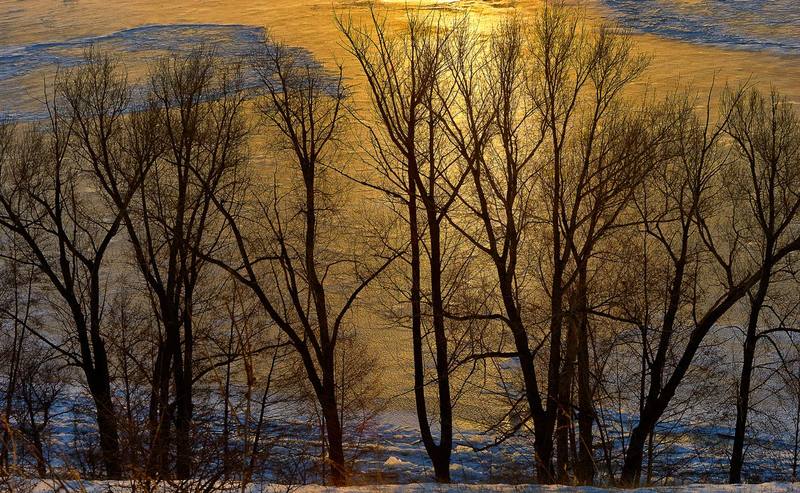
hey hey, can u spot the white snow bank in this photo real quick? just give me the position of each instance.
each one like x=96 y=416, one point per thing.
x=393 y=461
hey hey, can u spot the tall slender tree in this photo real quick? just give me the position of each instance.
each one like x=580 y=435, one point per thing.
x=189 y=124
x=48 y=207
x=283 y=238
x=403 y=75
x=766 y=133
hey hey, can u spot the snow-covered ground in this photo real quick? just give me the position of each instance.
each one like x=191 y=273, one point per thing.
x=111 y=487
x=388 y=451
x=391 y=459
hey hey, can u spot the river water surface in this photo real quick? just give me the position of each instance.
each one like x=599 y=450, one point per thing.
x=695 y=40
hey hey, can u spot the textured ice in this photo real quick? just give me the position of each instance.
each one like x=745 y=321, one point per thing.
x=150 y=40
x=742 y=24
x=24 y=68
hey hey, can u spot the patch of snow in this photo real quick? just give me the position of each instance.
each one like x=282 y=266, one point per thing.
x=393 y=461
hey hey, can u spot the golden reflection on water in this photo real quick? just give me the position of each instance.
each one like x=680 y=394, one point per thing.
x=310 y=24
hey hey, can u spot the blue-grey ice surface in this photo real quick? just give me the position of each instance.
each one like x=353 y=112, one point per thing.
x=25 y=68
x=757 y=25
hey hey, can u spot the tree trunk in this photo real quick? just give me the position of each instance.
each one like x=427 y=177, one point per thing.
x=98 y=378
x=441 y=464
x=742 y=407
x=107 y=427
x=439 y=453
x=543 y=447
x=657 y=398
x=334 y=435
x=545 y=471
x=748 y=356
x=441 y=458
x=184 y=454
x=632 y=467
x=796 y=450
x=565 y=388
x=545 y=428
x=38 y=446
x=525 y=356
x=10 y=392
x=650 y=456
x=183 y=424
x=161 y=413
x=584 y=468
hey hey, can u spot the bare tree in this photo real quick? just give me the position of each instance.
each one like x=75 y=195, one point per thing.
x=681 y=224
x=492 y=125
x=766 y=133
x=415 y=170
x=189 y=125
x=47 y=207
x=40 y=387
x=286 y=247
x=555 y=126
x=18 y=304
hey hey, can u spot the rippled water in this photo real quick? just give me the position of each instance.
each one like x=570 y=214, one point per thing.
x=36 y=36
x=772 y=25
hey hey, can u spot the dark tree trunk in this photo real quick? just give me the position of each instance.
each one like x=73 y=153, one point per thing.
x=184 y=391
x=441 y=458
x=565 y=390
x=543 y=447
x=10 y=393
x=748 y=357
x=526 y=364
x=584 y=467
x=742 y=407
x=656 y=399
x=544 y=433
x=438 y=453
x=546 y=427
x=38 y=446
x=107 y=427
x=632 y=467
x=333 y=431
x=99 y=380
x=650 y=457
x=183 y=419
x=161 y=412
x=796 y=449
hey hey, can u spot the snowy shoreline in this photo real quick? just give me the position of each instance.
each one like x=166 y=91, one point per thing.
x=123 y=486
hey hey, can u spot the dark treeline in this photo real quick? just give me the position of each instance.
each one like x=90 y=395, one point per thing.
x=202 y=258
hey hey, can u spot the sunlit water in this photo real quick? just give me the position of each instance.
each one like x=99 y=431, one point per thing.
x=693 y=39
